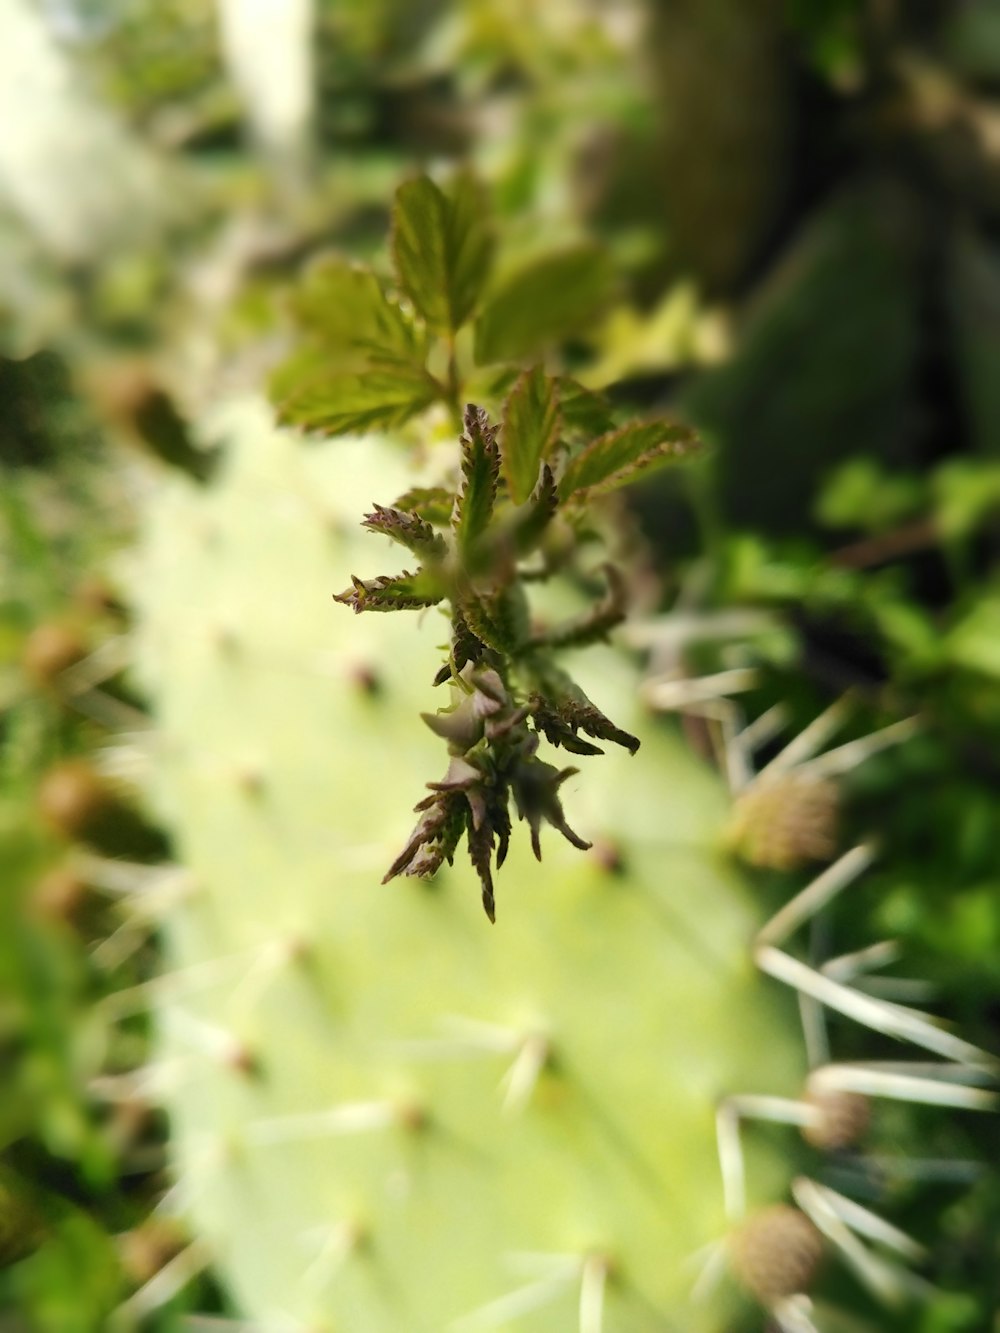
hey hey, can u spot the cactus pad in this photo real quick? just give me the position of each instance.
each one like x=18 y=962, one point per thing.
x=388 y=1115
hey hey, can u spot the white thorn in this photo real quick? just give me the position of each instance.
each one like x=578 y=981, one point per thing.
x=110 y=657
x=210 y=1039
x=682 y=627
x=763 y=729
x=709 y=1263
x=889 y=1281
x=816 y=895
x=845 y=757
x=478 y=1035
x=348 y=1118
x=904 y=1087
x=519 y=1082
x=728 y=1115
x=593 y=1284
x=807 y=742
x=206 y=975
x=848 y=966
x=880 y=1015
x=793 y=1314
x=813 y=1019
x=110 y=712
x=164 y=1285
x=671 y=694
x=523 y=1300
x=339 y=1241
x=124 y=941
x=868 y=1224
x=125 y=878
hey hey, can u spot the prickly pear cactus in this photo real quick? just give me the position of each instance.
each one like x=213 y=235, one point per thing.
x=386 y=1113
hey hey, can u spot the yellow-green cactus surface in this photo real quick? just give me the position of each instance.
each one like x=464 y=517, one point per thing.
x=388 y=1114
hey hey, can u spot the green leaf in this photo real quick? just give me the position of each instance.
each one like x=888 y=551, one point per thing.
x=308 y=394
x=409 y=529
x=545 y=301
x=583 y=410
x=530 y=427
x=500 y=620
x=621 y=456
x=561 y=707
x=974 y=643
x=397 y=592
x=480 y=472
x=442 y=246
x=343 y=307
x=531 y=520
x=434 y=504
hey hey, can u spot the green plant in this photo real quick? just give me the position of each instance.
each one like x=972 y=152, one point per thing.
x=511 y=517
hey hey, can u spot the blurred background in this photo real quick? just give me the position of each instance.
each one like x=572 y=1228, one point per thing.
x=800 y=205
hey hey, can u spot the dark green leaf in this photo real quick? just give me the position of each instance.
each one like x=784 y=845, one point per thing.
x=583 y=410
x=530 y=427
x=499 y=621
x=568 y=708
x=409 y=529
x=309 y=395
x=480 y=473
x=434 y=504
x=399 y=592
x=465 y=647
x=545 y=301
x=343 y=307
x=556 y=730
x=442 y=247
x=621 y=456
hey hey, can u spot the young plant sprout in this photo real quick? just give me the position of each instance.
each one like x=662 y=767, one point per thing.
x=508 y=690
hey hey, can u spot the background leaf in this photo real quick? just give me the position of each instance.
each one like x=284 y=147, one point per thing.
x=583 y=410
x=530 y=426
x=343 y=306
x=619 y=457
x=442 y=246
x=543 y=302
x=337 y=402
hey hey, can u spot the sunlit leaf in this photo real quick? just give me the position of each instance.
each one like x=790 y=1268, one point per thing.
x=344 y=308
x=408 y=529
x=582 y=409
x=332 y=402
x=621 y=456
x=530 y=428
x=547 y=300
x=442 y=246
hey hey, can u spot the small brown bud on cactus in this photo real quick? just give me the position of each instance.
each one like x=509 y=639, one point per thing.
x=776 y=1253
x=785 y=823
